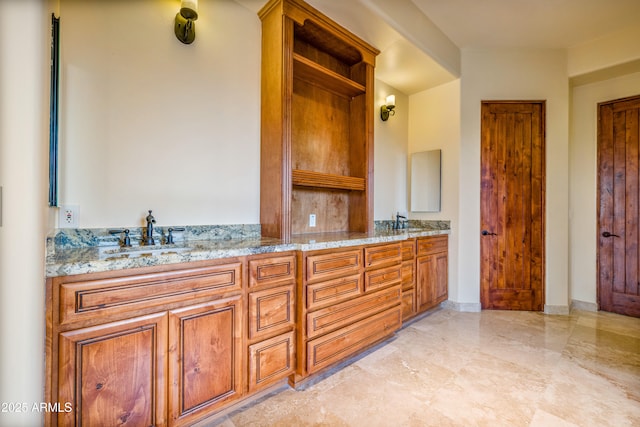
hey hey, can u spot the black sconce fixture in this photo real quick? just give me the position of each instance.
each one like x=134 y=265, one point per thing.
x=185 y=27
x=388 y=108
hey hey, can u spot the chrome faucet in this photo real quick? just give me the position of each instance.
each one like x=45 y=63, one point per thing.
x=149 y=236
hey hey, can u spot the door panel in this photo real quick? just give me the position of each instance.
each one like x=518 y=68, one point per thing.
x=205 y=361
x=512 y=205
x=619 y=206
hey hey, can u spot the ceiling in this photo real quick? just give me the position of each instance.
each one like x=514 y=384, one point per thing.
x=554 y=24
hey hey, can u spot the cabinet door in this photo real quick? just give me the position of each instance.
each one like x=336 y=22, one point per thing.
x=431 y=282
x=271 y=360
x=425 y=267
x=441 y=288
x=205 y=358
x=114 y=374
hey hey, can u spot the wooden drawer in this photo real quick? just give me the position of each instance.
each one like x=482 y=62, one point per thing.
x=433 y=244
x=271 y=310
x=408 y=274
x=339 y=315
x=379 y=256
x=335 y=264
x=408 y=304
x=346 y=342
x=408 y=249
x=90 y=298
x=333 y=291
x=272 y=271
x=382 y=278
x=271 y=360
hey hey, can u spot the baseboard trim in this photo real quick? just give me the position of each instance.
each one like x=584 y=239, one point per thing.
x=584 y=306
x=556 y=309
x=470 y=307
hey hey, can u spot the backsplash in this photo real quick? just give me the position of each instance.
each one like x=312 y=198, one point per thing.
x=386 y=225
x=65 y=238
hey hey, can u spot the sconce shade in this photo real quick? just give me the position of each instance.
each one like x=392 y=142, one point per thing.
x=391 y=101
x=189 y=9
x=388 y=108
x=185 y=28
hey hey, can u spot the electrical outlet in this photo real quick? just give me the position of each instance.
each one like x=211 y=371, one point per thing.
x=312 y=220
x=68 y=216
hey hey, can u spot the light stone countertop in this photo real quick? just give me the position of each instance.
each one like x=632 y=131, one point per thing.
x=92 y=259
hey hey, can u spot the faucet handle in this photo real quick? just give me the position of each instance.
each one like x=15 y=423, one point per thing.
x=170 y=231
x=126 y=241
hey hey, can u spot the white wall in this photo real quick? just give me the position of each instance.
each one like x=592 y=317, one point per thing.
x=583 y=179
x=434 y=123
x=147 y=122
x=609 y=51
x=515 y=75
x=390 y=155
x=23 y=172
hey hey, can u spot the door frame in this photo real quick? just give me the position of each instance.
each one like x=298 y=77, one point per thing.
x=543 y=193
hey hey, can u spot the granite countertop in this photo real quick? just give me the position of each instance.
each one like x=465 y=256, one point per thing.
x=68 y=260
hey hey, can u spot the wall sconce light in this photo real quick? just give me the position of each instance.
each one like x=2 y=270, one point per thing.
x=388 y=109
x=185 y=28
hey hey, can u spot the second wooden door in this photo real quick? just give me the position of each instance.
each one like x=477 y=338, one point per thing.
x=512 y=205
x=619 y=206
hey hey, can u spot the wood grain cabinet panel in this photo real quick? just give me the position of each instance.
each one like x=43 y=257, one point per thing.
x=333 y=291
x=408 y=249
x=383 y=255
x=333 y=264
x=338 y=345
x=408 y=269
x=271 y=360
x=271 y=310
x=271 y=316
x=339 y=315
x=205 y=358
x=94 y=298
x=408 y=303
x=383 y=277
x=114 y=374
x=432 y=244
x=272 y=270
x=431 y=273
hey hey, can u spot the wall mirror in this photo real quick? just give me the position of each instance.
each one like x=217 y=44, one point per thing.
x=425 y=181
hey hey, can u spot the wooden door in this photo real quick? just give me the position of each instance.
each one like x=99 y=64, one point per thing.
x=618 y=207
x=512 y=205
x=205 y=358
x=114 y=374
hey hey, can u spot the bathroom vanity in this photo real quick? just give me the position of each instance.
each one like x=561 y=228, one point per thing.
x=173 y=338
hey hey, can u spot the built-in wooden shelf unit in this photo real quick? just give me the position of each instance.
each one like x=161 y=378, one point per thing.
x=316 y=123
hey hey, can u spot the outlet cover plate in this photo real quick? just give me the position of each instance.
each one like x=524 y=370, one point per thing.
x=68 y=216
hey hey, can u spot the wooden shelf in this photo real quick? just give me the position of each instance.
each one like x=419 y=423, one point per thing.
x=303 y=178
x=307 y=70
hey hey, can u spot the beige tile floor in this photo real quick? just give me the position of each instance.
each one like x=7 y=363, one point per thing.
x=495 y=368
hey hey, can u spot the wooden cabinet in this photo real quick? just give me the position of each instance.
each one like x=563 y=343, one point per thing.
x=271 y=319
x=349 y=300
x=316 y=123
x=205 y=370
x=432 y=270
x=156 y=346
x=114 y=374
